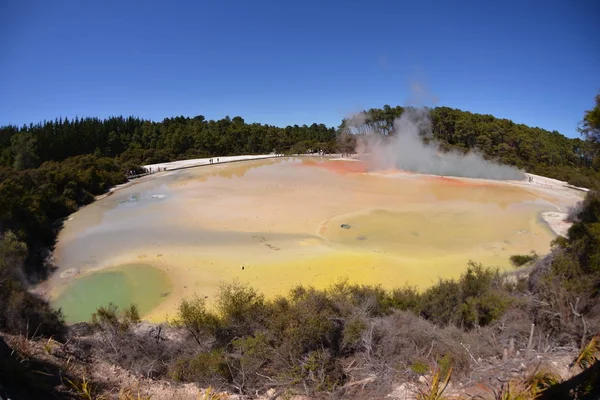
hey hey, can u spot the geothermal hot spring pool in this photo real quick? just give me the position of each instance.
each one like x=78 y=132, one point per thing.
x=277 y=223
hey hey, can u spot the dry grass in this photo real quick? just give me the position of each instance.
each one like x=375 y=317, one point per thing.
x=132 y=394
x=84 y=388
x=588 y=356
x=211 y=394
x=513 y=391
x=542 y=379
x=434 y=386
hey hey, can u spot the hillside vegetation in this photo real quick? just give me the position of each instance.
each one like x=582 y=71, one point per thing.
x=135 y=141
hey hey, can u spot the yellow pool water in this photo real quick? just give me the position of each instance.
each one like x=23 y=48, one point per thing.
x=277 y=223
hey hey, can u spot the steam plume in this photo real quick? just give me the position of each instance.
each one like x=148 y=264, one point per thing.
x=405 y=149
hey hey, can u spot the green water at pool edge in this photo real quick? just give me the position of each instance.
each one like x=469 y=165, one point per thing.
x=122 y=285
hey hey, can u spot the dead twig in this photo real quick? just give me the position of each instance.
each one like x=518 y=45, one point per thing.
x=469 y=353
x=577 y=314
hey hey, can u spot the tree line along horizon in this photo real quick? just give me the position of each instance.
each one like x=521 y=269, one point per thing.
x=135 y=141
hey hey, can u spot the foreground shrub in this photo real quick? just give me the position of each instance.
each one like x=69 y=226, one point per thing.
x=476 y=299
x=405 y=341
x=196 y=319
x=21 y=311
x=25 y=313
x=132 y=314
x=106 y=316
x=241 y=310
x=205 y=369
x=307 y=337
x=109 y=317
x=308 y=321
x=372 y=299
x=440 y=303
x=320 y=370
x=246 y=358
x=406 y=298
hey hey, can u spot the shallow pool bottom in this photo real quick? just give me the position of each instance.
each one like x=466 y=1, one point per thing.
x=139 y=284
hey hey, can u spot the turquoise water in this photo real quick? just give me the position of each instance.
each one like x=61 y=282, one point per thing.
x=141 y=284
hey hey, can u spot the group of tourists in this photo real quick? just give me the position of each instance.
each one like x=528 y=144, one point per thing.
x=149 y=170
x=320 y=153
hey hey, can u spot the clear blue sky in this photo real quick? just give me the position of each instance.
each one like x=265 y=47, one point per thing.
x=285 y=62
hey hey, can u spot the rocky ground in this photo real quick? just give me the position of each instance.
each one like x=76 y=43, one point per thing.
x=72 y=365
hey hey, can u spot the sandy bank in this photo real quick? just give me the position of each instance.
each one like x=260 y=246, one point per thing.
x=557 y=222
x=160 y=168
x=566 y=194
x=197 y=162
x=538 y=180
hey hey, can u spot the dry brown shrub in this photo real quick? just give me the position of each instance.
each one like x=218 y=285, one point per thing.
x=515 y=324
x=402 y=338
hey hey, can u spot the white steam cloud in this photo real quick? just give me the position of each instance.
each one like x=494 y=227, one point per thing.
x=405 y=149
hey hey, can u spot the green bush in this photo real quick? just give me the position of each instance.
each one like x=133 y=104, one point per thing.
x=204 y=369
x=310 y=321
x=373 y=299
x=109 y=317
x=446 y=363
x=419 y=367
x=478 y=280
x=440 y=302
x=25 y=313
x=322 y=370
x=354 y=327
x=131 y=315
x=106 y=315
x=21 y=311
x=241 y=310
x=406 y=298
x=482 y=310
x=476 y=299
x=196 y=319
x=518 y=260
x=247 y=356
